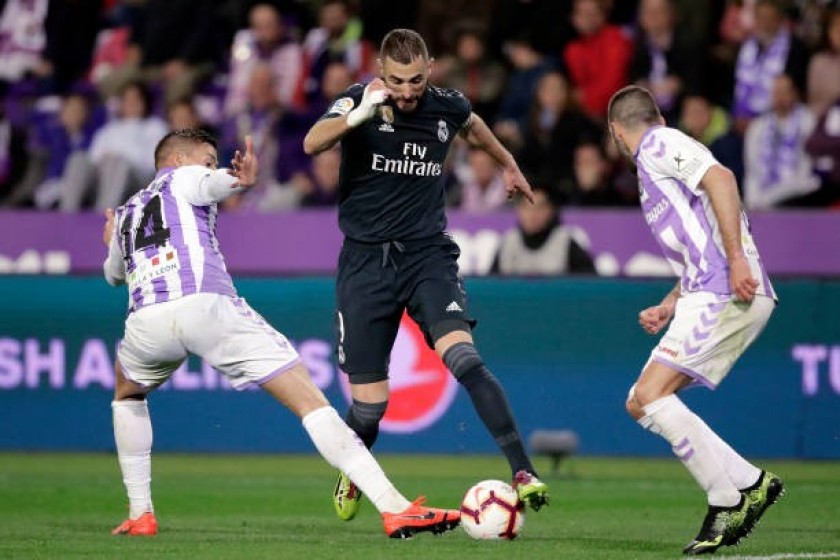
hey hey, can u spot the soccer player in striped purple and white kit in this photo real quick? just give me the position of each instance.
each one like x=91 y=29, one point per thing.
x=162 y=243
x=721 y=303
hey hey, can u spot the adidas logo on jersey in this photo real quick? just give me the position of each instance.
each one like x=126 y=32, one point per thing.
x=385 y=127
x=453 y=307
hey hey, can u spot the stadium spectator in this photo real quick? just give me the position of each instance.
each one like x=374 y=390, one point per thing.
x=264 y=42
x=824 y=68
x=315 y=187
x=64 y=135
x=712 y=126
x=666 y=59
x=13 y=157
x=71 y=28
x=337 y=78
x=778 y=171
x=771 y=50
x=824 y=147
x=545 y=21
x=277 y=136
x=472 y=70
x=117 y=163
x=591 y=182
x=171 y=44
x=528 y=65
x=182 y=114
x=481 y=184
x=23 y=39
x=540 y=245
x=555 y=127
x=597 y=61
x=338 y=38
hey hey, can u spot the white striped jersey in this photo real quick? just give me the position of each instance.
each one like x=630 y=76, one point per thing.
x=670 y=166
x=164 y=245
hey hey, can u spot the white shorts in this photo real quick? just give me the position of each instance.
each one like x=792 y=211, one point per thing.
x=222 y=330
x=708 y=333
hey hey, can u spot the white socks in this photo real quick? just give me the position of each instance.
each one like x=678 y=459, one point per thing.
x=741 y=472
x=343 y=449
x=703 y=453
x=133 y=436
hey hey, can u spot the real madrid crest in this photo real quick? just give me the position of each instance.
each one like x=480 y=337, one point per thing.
x=443 y=131
x=386 y=113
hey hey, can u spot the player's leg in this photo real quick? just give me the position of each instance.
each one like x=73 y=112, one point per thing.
x=133 y=440
x=246 y=349
x=367 y=320
x=146 y=357
x=707 y=335
x=437 y=302
x=368 y=317
x=343 y=449
x=458 y=352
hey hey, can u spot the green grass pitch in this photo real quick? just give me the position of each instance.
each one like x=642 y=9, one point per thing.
x=243 y=507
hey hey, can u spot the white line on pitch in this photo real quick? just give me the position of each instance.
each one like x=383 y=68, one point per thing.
x=787 y=556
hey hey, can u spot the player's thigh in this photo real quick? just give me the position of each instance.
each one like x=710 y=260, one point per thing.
x=709 y=333
x=150 y=351
x=437 y=300
x=236 y=340
x=368 y=316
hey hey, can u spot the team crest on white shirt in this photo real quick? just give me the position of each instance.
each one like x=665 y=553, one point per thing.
x=442 y=131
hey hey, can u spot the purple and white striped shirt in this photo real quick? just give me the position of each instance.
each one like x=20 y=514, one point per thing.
x=164 y=245
x=670 y=166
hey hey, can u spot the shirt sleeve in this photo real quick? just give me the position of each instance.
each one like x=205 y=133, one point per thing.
x=674 y=154
x=201 y=186
x=114 y=267
x=345 y=102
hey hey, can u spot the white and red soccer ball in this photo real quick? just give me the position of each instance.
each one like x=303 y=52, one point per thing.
x=492 y=510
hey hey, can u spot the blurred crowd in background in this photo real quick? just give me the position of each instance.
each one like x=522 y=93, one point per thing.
x=89 y=87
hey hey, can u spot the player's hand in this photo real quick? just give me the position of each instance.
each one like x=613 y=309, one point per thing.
x=108 y=228
x=244 y=166
x=515 y=182
x=741 y=281
x=376 y=92
x=654 y=318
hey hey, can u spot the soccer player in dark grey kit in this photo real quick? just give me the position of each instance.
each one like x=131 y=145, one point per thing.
x=395 y=133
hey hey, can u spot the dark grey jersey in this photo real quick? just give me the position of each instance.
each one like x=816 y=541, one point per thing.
x=392 y=184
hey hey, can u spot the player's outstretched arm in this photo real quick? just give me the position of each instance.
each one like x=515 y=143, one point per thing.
x=478 y=134
x=326 y=132
x=722 y=188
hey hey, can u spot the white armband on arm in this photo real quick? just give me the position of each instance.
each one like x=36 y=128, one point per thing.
x=113 y=267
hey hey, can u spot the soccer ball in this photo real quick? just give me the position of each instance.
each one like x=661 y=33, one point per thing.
x=492 y=510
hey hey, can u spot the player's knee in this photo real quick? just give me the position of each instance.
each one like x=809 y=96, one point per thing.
x=634 y=409
x=367 y=414
x=463 y=360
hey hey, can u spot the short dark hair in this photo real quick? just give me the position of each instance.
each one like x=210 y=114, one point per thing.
x=178 y=139
x=633 y=106
x=403 y=46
